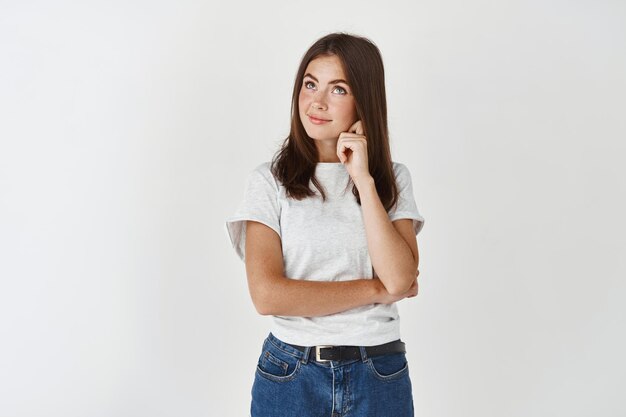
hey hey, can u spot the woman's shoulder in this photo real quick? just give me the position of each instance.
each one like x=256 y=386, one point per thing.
x=263 y=168
x=262 y=172
x=400 y=169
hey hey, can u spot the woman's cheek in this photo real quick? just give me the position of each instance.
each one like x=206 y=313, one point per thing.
x=348 y=114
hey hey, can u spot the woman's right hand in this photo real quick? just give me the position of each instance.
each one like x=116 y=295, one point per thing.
x=385 y=298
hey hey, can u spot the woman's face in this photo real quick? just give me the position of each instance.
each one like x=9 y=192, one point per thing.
x=325 y=95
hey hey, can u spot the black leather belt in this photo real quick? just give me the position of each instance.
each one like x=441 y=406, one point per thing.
x=324 y=353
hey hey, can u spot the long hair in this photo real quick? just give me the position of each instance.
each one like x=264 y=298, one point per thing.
x=294 y=163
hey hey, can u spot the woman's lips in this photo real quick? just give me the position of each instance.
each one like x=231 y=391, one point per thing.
x=317 y=121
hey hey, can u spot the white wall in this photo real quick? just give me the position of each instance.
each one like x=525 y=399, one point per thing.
x=127 y=130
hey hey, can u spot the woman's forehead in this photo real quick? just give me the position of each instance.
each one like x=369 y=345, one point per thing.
x=328 y=68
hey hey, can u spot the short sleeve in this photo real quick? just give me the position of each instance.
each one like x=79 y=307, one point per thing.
x=260 y=203
x=406 y=207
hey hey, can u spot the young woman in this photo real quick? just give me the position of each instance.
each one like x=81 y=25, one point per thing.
x=327 y=231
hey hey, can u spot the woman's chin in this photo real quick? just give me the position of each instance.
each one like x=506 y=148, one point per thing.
x=322 y=136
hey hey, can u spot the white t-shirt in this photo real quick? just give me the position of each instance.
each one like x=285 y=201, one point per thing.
x=323 y=241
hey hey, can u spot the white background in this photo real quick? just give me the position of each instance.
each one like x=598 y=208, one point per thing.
x=127 y=129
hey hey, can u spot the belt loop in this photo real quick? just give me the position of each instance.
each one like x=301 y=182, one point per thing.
x=363 y=353
x=305 y=357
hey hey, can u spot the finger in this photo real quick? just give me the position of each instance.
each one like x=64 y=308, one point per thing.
x=350 y=135
x=352 y=143
x=357 y=128
x=341 y=152
x=344 y=144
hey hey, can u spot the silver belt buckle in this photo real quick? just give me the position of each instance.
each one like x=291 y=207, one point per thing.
x=317 y=353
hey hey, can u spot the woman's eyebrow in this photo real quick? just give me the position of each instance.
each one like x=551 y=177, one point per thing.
x=330 y=82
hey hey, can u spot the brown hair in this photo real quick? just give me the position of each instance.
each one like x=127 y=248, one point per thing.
x=294 y=164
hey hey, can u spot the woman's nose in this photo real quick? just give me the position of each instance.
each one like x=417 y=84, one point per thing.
x=319 y=102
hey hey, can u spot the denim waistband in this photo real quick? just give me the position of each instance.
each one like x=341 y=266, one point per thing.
x=304 y=355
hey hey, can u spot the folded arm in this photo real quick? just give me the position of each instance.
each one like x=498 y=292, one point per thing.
x=274 y=294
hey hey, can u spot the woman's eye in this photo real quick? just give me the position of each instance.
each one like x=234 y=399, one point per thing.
x=306 y=84
x=343 y=90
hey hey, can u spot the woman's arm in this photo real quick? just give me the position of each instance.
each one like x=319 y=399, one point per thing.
x=392 y=245
x=274 y=294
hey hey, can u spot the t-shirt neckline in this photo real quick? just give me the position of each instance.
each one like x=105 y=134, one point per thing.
x=329 y=165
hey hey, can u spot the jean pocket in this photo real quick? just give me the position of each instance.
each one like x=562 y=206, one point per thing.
x=276 y=364
x=389 y=367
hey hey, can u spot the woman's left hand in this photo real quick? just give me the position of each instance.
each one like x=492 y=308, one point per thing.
x=352 y=152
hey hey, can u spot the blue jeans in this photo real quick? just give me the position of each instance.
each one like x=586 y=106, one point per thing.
x=287 y=384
